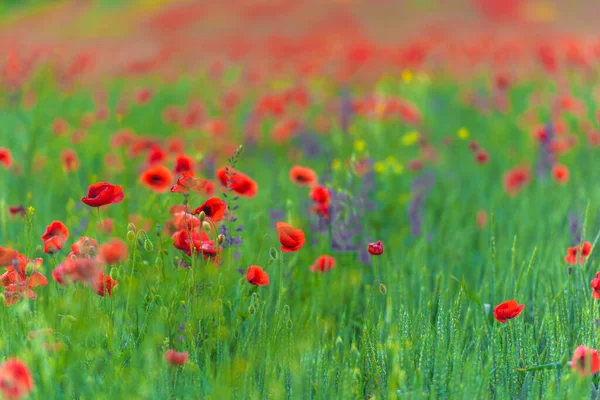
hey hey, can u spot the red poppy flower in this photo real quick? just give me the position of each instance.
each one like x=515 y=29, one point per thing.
x=104 y=284
x=257 y=276
x=55 y=237
x=481 y=219
x=290 y=238
x=200 y=243
x=106 y=225
x=585 y=361
x=5 y=157
x=158 y=178
x=560 y=173
x=323 y=263
x=171 y=114
x=183 y=164
x=113 y=252
x=595 y=284
x=571 y=257
x=70 y=160
x=16 y=380
x=375 y=249
x=303 y=176
x=7 y=256
x=84 y=247
x=102 y=194
x=17 y=211
x=157 y=155
x=238 y=182
x=516 y=179
x=184 y=220
x=482 y=157
x=60 y=127
x=213 y=208
x=508 y=310
x=176 y=358
x=188 y=181
x=143 y=96
x=72 y=270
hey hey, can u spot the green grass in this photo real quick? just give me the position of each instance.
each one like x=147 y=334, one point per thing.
x=415 y=326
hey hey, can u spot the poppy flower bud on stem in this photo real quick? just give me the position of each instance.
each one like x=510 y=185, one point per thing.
x=202 y=216
x=206 y=226
x=29 y=269
x=221 y=238
x=148 y=246
x=130 y=236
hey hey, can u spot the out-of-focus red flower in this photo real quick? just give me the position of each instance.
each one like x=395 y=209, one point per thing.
x=188 y=182
x=158 y=178
x=595 y=284
x=560 y=173
x=106 y=225
x=85 y=247
x=184 y=163
x=6 y=159
x=481 y=219
x=585 y=361
x=70 y=160
x=171 y=114
x=16 y=381
x=508 y=310
x=291 y=239
x=173 y=357
x=143 y=96
x=184 y=220
x=113 y=252
x=7 y=256
x=375 y=249
x=323 y=263
x=104 y=284
x=238 y=182
x=482 y=157
x=257 y=276
x=572 y=252
x=157 y=156
x=73 y=270
x=303 y=176
x=60 y=127
x=320 y=196
x=516 y=179
x=213 y=208
x=55 y=237
x=17 y=211
x=103 y=193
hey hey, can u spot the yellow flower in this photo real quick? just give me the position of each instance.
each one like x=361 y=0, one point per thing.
x=336 y=164
x=30 y=210
x=463 y=133
x=410 y=138
x=379 y=167
x=391 y=160
x=407 y=76
x=398 y=168
x=359 y=145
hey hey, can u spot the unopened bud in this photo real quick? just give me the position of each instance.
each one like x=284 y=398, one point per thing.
x=148 y=246
x=159 y=262
x=221 y=238
x=130 y=235
x=382 y=288
x=202 y=216
x=164 y=313
x=29 y=269
x=206 y=226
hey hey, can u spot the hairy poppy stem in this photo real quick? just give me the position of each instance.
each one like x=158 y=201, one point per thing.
x=555 y=365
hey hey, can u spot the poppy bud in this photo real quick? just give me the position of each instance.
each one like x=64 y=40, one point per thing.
x=202 y=216
x=158 y=262
x=382 y=288
x=376 y=249
x=29 y=269
x=148 y=246
x=206 y=226
x=130 y=235
x=164 y=313
x=221 y=238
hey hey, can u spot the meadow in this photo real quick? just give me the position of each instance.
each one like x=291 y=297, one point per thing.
x=317 y=217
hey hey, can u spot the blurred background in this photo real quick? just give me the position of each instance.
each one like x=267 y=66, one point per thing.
x=134 y=37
